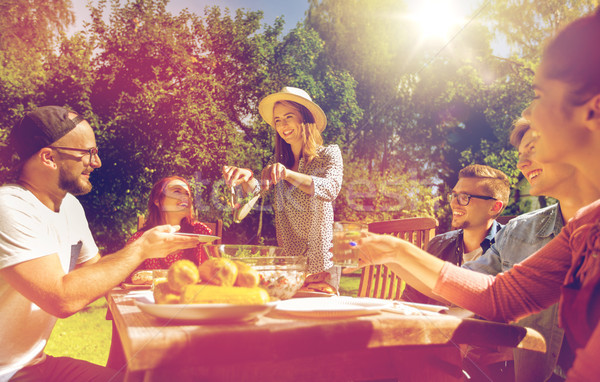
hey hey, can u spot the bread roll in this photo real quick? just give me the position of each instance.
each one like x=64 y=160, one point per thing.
x=141 y=278
x=218 y=271
x=182 y=273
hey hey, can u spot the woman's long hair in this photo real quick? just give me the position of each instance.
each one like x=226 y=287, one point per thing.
x=155 y=214
x=573 y=57
x=311 y=137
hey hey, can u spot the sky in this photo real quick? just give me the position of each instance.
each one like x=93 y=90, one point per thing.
x=294 y=11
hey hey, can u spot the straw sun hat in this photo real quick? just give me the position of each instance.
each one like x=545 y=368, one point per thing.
x=265 y=107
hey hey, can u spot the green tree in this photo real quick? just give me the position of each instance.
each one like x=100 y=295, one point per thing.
x=527 y=24
x=177 y=94
x=28 y=34
x=366 y=40
x=157 y=112
x=32 y=26
x=377 y=196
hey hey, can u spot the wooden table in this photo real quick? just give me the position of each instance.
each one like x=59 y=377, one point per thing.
x=278 y=347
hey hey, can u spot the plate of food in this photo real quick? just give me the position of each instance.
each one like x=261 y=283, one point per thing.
x=201 y=238
x=200 y=313
x=335 y=306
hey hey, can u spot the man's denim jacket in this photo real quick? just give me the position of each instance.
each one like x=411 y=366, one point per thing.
x=448 y=246
x=518 y=240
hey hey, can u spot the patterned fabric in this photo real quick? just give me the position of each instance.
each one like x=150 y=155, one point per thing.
x=304 y=223
x=535 y=284
x=197 y=255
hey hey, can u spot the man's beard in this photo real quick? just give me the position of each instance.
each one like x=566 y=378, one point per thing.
x=460 y=225
x=72 y=184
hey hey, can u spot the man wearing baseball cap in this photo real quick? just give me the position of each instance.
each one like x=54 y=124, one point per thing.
x=49 y=264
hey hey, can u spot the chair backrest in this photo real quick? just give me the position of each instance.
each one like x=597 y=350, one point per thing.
x=505 y=219
x=377 y=280
x=215 y=227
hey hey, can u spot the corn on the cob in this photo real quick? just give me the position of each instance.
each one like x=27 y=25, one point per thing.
x=212 y=294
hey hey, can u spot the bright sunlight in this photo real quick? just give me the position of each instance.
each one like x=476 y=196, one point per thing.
x=437 y=19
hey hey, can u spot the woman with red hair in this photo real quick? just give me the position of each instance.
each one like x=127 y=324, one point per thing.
x=171 y=202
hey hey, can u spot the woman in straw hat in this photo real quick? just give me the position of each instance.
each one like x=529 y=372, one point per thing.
x=565 y=113
x=306 y=177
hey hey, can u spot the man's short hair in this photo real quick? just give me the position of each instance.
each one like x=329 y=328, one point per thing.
x=496 y=183
x=520 y=127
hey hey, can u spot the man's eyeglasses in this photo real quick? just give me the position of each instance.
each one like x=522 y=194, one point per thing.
x=463 y=198
x=93 y=151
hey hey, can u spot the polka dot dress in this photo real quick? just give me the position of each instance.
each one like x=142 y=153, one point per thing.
x=304 y=222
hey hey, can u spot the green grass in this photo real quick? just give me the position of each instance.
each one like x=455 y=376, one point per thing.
x=349 y=284
x=86 y=335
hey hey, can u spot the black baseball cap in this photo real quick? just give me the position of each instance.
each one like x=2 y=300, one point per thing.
x=40 y=128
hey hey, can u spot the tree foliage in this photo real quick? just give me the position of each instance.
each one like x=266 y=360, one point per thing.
x=28 y=33
x=178 y=94
x=526 y=24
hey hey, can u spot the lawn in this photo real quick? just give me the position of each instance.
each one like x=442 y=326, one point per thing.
x=86 y=335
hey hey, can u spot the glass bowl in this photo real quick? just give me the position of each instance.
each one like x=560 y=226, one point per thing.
x=280 y=275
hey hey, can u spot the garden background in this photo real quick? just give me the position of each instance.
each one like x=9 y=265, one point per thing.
x=178 y=93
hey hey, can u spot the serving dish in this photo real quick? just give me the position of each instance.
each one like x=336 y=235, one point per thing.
x=280 y=275
x=200 y=313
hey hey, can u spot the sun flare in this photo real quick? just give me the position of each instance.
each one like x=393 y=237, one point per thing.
x=436 y=19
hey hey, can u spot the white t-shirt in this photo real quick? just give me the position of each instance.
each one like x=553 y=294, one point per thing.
x=30 y=230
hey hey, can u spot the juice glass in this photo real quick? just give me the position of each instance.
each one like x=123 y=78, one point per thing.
x=344 y=234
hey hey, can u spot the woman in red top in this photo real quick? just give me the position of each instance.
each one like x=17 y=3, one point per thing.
x=171 y=202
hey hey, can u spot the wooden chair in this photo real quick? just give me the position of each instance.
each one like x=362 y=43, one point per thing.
x=505 y=219
x=216 y=227
x=377 y=280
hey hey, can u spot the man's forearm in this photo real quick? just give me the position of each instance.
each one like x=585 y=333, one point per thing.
x=88 y=283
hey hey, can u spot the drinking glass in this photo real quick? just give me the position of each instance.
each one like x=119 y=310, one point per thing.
x=346 y=254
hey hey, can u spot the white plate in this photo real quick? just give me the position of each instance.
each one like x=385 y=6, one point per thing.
x=215 y=313
x=202 y=238
x=135 y=286
x=428 y=307
x=335 y=306
x=310 y=293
